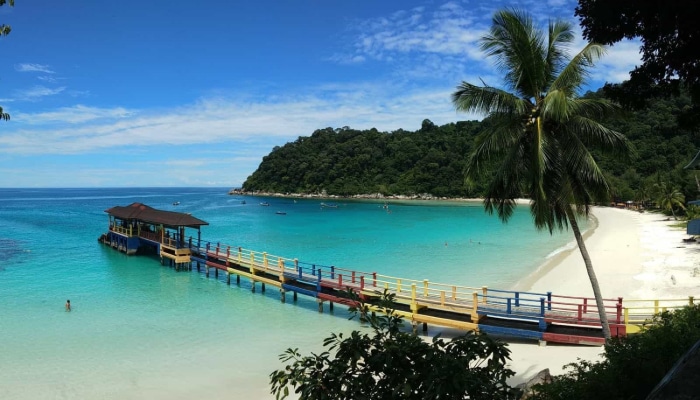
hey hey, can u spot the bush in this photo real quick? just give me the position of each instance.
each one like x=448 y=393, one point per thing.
x=392 y=364
x=633 y=365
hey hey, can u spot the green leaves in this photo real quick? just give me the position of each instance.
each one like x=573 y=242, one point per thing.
x=389 y=363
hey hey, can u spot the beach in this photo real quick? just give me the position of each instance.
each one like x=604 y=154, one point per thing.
x=141 y=330
x=635 y=256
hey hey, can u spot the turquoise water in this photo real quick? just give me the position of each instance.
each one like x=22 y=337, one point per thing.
x=140 y=330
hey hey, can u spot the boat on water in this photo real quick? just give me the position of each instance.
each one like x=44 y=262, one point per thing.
x=281 y=213
x=264 y=204
x=177 y=203
x=329 y=205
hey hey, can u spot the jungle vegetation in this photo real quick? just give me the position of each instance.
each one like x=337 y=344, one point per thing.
x=433 y=159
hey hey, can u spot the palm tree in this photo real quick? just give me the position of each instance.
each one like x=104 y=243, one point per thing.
x=537 y=140
x=669 y=197
x=642 y=194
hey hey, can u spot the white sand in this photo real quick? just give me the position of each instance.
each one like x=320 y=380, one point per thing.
x=635 y=256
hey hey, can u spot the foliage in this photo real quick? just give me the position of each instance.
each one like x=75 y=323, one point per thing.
x=692 y=212
x=346 y=161
x=392 y=364
x=632 y=365
x=4 y=31
x=670 y=35
x=669 y=198
x=542 y=130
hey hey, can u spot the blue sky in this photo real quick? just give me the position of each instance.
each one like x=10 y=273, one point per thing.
x=183 y=93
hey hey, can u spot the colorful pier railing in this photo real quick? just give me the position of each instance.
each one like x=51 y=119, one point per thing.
x=540 y=316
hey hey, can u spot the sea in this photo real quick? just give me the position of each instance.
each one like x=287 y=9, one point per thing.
x=139 y=330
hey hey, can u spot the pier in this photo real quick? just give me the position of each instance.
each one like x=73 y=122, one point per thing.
x=545 y=317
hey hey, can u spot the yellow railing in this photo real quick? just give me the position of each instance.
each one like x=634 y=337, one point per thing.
x=422 y=293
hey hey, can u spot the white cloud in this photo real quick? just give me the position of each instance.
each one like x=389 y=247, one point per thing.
x=37 y=92
x=28 y=67
x=83 y=129
x=72 y=115
x=619 y=61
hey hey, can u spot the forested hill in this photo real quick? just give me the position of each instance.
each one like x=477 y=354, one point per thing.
x=432 y=159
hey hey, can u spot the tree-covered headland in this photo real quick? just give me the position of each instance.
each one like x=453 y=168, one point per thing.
x=432 y=159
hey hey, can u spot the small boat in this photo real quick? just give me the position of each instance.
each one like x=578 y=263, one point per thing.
x=265 y=204
x=329 y=205
x=281 y=213
x=177 y=203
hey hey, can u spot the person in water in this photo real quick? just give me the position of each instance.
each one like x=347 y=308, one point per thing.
x=67 y=305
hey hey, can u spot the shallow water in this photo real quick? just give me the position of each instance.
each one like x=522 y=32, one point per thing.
x=140 y=330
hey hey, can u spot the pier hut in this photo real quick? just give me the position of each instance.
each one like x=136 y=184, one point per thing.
x=137 y=228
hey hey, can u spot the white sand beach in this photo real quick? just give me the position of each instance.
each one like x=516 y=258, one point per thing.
x=635 y=256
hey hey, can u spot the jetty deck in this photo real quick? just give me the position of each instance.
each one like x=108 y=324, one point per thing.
x=546 y=317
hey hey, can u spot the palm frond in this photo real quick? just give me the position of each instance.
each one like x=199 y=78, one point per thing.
x=593 y=133
x=561 y=34
x=498 y=139
x=518 y=49
x=574 y=74
x=486 y=100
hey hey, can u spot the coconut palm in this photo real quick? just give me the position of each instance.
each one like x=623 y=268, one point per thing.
x=669 y=197
x=642 y=194
x=539 y=131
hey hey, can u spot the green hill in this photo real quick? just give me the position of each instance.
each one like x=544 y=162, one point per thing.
x=431 y=160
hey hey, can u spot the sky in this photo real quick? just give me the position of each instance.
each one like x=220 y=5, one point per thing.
x=181 y=93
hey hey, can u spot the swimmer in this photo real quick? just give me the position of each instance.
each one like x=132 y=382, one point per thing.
x=67 y=305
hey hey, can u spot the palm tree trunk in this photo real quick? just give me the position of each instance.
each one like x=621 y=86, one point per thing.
x=591 y=273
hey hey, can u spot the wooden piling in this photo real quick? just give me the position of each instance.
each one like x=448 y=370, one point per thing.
x=228 y=278
x=425 y=327
x=263 y=287
x=252 y=286
x=295 y=296
x=207 y=268
x=283 y=298
x=320 y=305
x=238 y=280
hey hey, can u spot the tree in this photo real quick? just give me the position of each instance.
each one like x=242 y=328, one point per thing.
x=538 y=136
x=631 y=366
x=4 y=31
x=669 y=197
x=393 y=364
x=670 y=38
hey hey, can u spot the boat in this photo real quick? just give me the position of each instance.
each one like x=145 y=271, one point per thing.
x=177 y=203
x=281 y=213
x=265 y=204
x=329 y=205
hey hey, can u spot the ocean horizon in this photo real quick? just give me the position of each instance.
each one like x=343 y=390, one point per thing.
x=142 y=330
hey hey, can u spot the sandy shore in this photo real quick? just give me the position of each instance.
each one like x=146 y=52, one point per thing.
x=635 y=256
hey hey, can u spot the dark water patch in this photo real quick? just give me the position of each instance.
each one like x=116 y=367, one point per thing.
x=11 y=251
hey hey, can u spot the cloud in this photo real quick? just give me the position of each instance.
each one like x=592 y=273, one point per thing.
x=27 y=67
x=619 y=61
x=73 y=115
x=217 y=120
x=37 y=92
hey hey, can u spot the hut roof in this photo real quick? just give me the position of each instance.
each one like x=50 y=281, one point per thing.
x=150 y=215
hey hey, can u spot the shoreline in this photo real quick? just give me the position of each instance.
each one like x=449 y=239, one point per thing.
x=635 y=256
x=373 y=196
x=550 y=263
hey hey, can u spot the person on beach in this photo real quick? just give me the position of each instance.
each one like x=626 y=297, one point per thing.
x=67 y=305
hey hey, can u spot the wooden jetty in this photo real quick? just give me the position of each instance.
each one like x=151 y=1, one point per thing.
x=545 y=317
